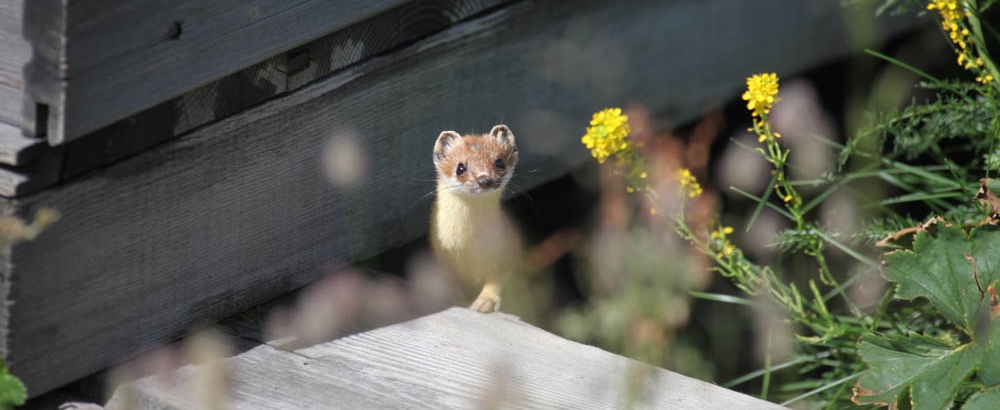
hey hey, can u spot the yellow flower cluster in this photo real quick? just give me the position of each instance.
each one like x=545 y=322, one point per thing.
x=762 y=93
x=607 y=134
x=719 y=235
x=952 y=15
x=689 y=184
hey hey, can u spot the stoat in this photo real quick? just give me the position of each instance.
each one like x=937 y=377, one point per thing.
x=470 y=233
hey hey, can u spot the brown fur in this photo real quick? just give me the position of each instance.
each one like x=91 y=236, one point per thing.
x=479 y=155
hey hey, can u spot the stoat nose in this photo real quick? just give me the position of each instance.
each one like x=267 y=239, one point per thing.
x=485 y=182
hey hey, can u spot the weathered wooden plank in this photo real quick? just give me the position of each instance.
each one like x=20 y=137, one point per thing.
x=11 y=100
x=122 y=56
x=263 y=81
x=239 y=211
x=17 y=149
x=44 y=23
x=15 y=50
x=14 y=54
x=455 y=359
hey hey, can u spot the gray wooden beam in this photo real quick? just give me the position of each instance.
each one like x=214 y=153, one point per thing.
x=239 y=211
x=455 y=359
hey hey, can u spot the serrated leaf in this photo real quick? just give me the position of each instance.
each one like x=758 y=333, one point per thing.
x=951 y=271
x=984 y=400
x=930 y=369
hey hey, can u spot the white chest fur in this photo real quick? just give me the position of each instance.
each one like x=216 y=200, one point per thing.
x=473 y=236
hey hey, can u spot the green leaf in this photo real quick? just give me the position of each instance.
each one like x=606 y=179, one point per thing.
x=952 y=271
x=930 y=369
x=12 y=391
x=989 y=372
x=959 y=275
x=984 y=400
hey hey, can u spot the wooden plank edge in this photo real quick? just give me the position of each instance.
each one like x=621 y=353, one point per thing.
x=467 y=347
x=16 y=149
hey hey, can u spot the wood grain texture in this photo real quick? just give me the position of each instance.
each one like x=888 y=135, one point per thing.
x=14 y=54
x=266 y=80
x=239 y=211
x=15 y=49
x=122 y=56
x=455 y=359
x=11 y=101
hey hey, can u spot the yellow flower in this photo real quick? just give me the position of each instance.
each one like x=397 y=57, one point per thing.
x=952 y=16
x=607 y=134
x=689 y=185
x=726 y=251
x=762 y=93
x=721 y=233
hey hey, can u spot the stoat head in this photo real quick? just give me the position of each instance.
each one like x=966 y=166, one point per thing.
x=475 y=164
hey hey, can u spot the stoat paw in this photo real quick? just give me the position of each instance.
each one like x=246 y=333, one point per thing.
x=486 y=304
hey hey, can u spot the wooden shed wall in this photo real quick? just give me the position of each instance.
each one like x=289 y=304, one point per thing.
x=238 y=211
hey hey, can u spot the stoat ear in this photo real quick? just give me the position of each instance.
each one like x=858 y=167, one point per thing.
x=502 y=133
x=445 y=140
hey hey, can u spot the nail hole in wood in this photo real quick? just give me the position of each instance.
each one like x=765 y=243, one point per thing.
x=175 y=30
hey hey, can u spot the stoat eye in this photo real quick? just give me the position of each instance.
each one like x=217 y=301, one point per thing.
x=460 y=170
x=499 y=164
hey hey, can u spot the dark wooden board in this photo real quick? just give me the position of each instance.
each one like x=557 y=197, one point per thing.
x=455 y=359
x=121 y=56
x=239 y=211
x=266 y=80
